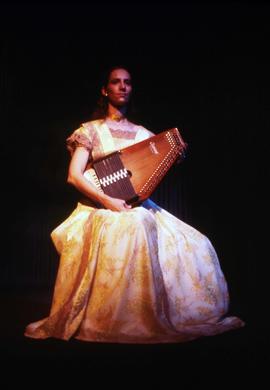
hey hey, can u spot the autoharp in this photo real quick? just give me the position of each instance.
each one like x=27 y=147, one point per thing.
x=134 y=172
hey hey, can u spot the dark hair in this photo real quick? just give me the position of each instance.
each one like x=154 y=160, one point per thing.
x=100 y=112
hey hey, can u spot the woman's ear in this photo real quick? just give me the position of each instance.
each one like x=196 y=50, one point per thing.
x=104 y=92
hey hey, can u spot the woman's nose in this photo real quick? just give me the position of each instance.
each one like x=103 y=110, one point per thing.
x=122 y=86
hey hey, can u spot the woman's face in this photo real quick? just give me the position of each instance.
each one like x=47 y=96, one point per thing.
x=118 y=89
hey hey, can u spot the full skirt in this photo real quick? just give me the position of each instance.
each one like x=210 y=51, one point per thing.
x=139 y=276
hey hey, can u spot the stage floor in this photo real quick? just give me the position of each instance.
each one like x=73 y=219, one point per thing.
x=22 y=306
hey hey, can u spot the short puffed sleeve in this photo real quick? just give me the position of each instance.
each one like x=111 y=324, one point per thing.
x=80 y=137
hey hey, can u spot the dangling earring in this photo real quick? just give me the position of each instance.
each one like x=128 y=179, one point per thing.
x=106 y=93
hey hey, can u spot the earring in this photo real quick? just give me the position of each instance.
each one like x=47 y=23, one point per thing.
x=106 y=93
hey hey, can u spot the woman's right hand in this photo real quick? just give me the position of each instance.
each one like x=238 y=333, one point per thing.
x=115 y=204
x=77 y=179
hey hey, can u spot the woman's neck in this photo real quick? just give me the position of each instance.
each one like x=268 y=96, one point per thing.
x=115 y=113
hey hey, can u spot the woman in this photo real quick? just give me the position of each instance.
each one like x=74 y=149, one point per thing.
x=128 y=275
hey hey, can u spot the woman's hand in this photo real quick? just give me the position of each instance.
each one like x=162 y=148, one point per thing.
x=115 y=204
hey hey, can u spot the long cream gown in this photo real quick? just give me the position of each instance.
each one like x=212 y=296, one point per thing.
x=138 y=276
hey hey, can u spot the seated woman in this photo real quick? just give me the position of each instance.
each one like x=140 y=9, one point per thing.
x=128 y=275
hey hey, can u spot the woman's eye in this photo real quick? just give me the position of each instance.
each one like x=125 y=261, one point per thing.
x=116 y=81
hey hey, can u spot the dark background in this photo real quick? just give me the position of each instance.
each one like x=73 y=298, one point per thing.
x=198 y=67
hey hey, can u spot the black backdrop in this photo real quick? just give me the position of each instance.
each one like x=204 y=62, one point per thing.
x=195 y=66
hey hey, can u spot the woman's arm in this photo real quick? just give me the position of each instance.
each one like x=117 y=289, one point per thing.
x=76 y=178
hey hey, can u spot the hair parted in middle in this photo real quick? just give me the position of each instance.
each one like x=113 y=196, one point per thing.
x=101 y=109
